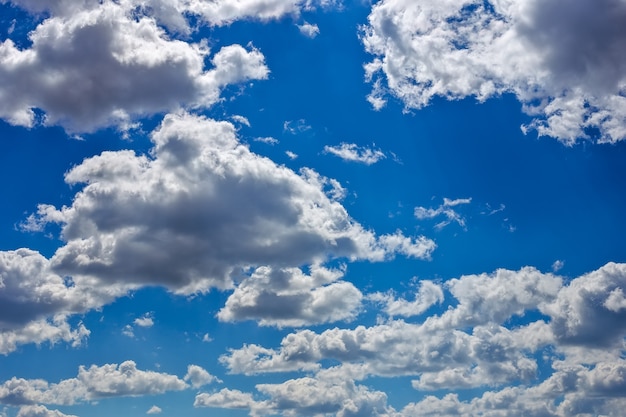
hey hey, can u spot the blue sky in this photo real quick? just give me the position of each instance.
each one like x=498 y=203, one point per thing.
x=311 y=208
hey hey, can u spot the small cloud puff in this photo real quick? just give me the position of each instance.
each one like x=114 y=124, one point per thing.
x=354 y=153
x=154 y=410
x=309 y=30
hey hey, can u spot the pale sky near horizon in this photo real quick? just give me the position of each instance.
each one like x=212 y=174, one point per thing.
x=394 y=208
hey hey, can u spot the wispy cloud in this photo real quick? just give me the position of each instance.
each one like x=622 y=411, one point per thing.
x=354 y=153
x=446 y=210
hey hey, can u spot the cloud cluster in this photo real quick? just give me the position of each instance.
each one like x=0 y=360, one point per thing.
x=563 y=60
x=97 y=382
x=181 y=218
x=135 y=70
x=195 y=191
x=468 y=346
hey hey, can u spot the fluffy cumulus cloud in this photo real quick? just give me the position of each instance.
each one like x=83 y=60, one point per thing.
x=288 y=297
x=197 y=376
x=574 y=390
x=173 y=14
x=136 y=70
x=470 y=345
x=40 y=411
x=193 y=191
x=35 y=302
x=93 y=383
x=428 y=295
x=303 y=397
x=309 y=30
x=180 y=218
x=563 y=60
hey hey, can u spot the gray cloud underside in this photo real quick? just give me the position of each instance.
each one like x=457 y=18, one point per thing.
x=135 y=70
x=467 y=347
x=563 y=59
x=181 y=218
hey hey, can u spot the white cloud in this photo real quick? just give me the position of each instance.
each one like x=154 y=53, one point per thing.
x=122 y=225
x=288 y=297
x=173 y=14
x=136 y=70
x=40 y=411
x=564 y=63
x=128 y=331
x=428 y=295
x=241 y=120
x=180 y=219
x=199 y=377
x=444 y=209
x=93 y=383
x=557 y=265
x=588 y=311
x=352 y=152
x=145 y=321
x=309 y=30
x=52 y=331
x=295 y=127
x=303 y=397
x=154 y=410
x=569 y=391
x=268 y=140
x=291 y=155
x=467 y=345
x=226 y=398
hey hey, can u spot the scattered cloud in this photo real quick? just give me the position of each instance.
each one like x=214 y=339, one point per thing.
x=445 y=210
x=562 y=62
x=295 y=127
x=309 y=30
x=154 y=410
x=268 y=139
x=428 y=295
x=241 y=120
x=145 y=321
x=557 y=265
x=352 y=152
x=291 y=155
x=199 y=377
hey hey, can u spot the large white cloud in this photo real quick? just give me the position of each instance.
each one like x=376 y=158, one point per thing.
x=93 y=383
x=569 y=391
x=309 y=396
x=181 y=218
x=102 y=65
x=467 y=345
x=562 y=59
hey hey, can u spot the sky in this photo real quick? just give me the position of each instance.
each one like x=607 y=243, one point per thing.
x=344 y=208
